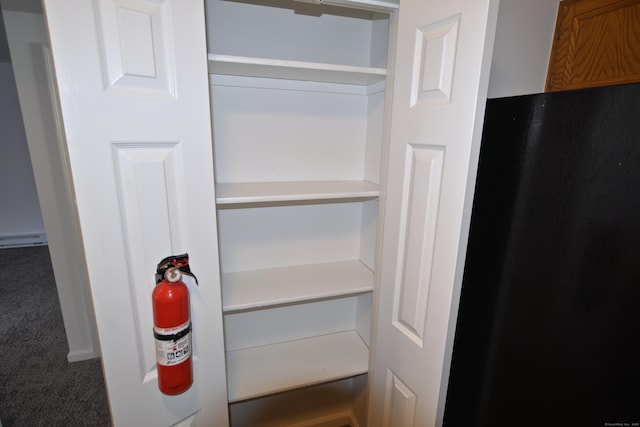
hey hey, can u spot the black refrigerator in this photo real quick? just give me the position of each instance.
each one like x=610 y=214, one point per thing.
x=548 y=329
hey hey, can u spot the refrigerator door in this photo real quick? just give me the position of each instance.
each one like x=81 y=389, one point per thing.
x=548 y=328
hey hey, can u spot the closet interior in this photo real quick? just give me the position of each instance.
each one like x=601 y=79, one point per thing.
x=298 y=111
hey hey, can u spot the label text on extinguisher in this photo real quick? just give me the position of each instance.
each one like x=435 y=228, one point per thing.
x=173 y=345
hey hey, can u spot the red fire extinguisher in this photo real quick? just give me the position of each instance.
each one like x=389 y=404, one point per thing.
x=172 y=325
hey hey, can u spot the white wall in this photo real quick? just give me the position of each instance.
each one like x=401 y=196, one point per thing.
x=20 y=217
x=28 y=41
x=523 y=42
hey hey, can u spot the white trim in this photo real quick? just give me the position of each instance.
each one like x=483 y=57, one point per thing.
x=22 y=240
x=80 y=355
x=295 y=85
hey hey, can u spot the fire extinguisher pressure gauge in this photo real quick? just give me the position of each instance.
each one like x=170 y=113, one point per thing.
x=173 y=275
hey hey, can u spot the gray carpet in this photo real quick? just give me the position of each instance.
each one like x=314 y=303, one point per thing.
x=38 y=387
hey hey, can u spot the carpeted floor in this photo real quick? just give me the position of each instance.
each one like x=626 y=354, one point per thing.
x=38 y=387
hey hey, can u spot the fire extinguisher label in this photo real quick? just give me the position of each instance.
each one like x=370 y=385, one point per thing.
x=173 y=345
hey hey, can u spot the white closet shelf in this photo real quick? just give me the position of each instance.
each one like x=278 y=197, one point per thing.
x=260 y=371
x=265 y=192
x=373 y=5
x=293 y=70
x=277 y=286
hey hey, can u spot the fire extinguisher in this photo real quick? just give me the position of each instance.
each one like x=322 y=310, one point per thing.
x=172 y=325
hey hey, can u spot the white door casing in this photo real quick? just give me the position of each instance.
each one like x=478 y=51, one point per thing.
x=132 y=78
x=440 y=82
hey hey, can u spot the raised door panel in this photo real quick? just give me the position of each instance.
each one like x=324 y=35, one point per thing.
x=133 y=88
x=597 y=43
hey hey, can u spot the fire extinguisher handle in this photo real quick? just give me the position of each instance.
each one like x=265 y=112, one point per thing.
x=179 y=262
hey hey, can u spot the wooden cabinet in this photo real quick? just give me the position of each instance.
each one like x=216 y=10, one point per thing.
x=597 y=43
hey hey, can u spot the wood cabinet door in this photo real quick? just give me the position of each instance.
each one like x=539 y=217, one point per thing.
x=132 y=78
x=597 y=43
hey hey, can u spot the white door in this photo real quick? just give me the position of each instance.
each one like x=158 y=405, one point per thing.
x=440 y=85
x=132 y=77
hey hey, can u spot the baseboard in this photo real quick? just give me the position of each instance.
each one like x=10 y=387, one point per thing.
x=22 y=240
x=80 y=355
